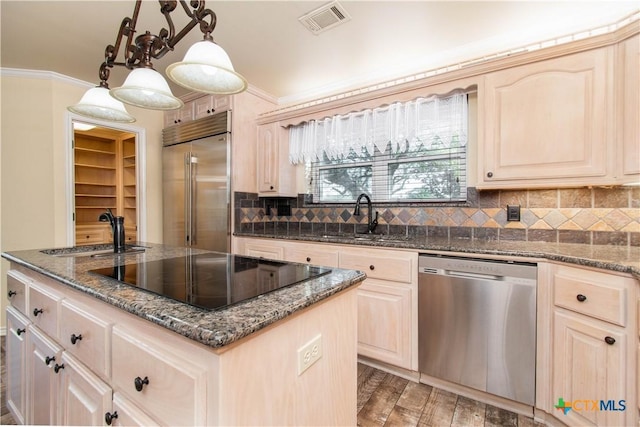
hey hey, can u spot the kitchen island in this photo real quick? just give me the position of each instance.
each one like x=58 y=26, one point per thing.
x=113 y=353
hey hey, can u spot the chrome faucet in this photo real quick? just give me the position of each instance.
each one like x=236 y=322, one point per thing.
x=371 y=223
x=117 y=229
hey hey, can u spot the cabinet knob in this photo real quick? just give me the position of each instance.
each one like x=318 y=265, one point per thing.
x=48 y=360
x=75 y=338
x=308 y=259
x=20 y=331
x=11 y=293
x=109 y=417
x=58 y=367
x=610 y=340
x=489 y=174
x=139 y=383
x=581 y=298
x=271 y=187
x=88 y=237
x=37 y=311
x=372 y=267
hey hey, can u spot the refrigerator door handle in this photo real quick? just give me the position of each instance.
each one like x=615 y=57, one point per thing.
x=193 y=219
x=187 y=201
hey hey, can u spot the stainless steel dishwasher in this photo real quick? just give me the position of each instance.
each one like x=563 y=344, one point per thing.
x=477 y=324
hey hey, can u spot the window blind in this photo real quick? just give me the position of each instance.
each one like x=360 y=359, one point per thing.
x=413 y=151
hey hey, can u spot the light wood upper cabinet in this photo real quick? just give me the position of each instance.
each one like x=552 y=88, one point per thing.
x=548 y=123
x=196 y=109
x=276 y=175
x=628 y=91
x=182 y=115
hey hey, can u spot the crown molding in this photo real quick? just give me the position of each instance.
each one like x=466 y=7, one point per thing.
x=43 y=75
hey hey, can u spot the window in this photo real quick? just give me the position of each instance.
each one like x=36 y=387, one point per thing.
x=414 y=151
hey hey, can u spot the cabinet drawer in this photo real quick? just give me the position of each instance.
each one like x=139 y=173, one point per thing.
x=91 y=237
x=309 y=254
x=384 y=265
x=17 y=290
x=594 y=294
x=173 y=389
x=44 y=309
x=86 y=336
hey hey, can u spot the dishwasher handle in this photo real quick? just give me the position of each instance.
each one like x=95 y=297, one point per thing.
x=466 y=275
x=461 y=274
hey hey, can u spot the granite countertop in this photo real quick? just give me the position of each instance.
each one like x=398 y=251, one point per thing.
x=214 y=328
x=609 y=257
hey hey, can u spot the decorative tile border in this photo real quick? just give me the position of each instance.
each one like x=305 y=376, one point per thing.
x=594 y=216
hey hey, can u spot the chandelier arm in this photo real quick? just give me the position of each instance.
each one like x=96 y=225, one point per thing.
x=128 y=29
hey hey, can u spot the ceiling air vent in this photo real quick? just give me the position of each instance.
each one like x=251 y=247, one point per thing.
x=325 y=17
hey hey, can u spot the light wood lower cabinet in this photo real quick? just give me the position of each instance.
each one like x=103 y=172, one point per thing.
x=16 y=364
x=43 y=381
x=128 y=371
x=85 y=398
x=387 y=300
x=169 y=387
x=383 y=323
x=593 y=362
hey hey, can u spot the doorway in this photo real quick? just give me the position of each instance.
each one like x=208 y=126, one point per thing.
x=104 y=175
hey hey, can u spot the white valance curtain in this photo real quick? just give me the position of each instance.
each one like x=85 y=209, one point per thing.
x=438 y=121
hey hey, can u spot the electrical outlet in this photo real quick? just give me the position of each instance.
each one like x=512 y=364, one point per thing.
x=513 y=212
x=309 y=354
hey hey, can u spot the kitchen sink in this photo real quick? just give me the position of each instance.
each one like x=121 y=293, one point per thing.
x=91 y=251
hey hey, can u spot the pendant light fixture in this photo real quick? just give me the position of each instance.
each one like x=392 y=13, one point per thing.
x=205 y=68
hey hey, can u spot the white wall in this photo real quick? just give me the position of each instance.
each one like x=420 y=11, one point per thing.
x=33 y=138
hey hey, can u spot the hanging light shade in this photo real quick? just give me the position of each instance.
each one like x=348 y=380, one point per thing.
x=146 y=88
x=98 y=104
x=206 y=67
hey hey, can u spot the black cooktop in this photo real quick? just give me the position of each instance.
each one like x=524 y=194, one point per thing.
x=211 y=280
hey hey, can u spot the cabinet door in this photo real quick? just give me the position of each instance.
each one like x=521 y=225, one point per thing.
x=87 y=335
x=326 y=256
x=587 y=368
x=16 y=364
x=268 y=158
x=276 y=175
x=16 y=290
x=184 y=114
x=548 y=122
x=126 y=413
x=202 y=107
x=169 y=387
x=263 y=250
x=629 y=94
x=85 y=398
x=384 y=322
x=43 y=380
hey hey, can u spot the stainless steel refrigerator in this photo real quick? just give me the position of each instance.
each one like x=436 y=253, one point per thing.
x=196 y=183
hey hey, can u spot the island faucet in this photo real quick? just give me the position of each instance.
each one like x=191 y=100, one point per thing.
x=371 y=223
x=117 y=229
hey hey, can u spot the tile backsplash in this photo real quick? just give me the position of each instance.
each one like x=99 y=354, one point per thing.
x=602 y=216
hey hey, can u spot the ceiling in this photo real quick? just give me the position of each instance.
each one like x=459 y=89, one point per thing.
x=277 y=54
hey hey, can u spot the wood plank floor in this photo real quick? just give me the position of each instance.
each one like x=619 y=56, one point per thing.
x=387 y=400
